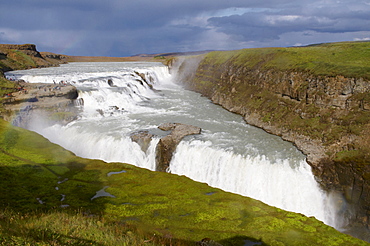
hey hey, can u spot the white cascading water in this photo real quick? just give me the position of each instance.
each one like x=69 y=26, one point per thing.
x=118 y=100
x=273 y=182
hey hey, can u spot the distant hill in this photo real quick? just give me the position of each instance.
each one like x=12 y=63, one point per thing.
x=190 y=53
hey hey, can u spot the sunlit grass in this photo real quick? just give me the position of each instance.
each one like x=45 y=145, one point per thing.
x=350 y=59
x=79 y=228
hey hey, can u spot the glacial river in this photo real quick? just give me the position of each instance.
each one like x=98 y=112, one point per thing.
x=228 y=154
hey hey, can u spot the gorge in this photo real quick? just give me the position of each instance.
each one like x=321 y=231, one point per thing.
x=287 y=92
x=117 y=100
x=228 y=154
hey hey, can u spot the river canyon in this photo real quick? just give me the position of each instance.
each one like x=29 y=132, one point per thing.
x=117 y=100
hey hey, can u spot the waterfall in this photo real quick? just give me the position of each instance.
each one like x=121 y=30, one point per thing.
x=118 y=99
x=87 y=144
x=276 y=182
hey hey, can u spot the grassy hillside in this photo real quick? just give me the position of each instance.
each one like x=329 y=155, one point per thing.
x=350 y=59
x=47 y=198
x=25 y=56
x=6 y=86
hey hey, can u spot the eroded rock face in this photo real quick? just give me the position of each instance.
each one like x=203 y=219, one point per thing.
x=167 y=145
x=53 y=102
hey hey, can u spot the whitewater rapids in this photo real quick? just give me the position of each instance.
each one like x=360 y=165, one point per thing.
x=118 y=99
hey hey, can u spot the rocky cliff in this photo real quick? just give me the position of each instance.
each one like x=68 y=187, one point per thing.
x=55 y=103
x=316 y=97
x=21 y=100
x=25 y=56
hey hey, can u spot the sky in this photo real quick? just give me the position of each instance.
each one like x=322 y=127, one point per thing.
x=129 y=27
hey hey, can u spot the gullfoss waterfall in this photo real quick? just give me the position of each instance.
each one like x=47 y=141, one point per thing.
x=119 y=99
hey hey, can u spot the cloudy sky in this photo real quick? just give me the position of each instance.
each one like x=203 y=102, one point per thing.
x=128 y=27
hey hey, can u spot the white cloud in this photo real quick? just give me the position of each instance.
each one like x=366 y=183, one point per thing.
x=236 y=11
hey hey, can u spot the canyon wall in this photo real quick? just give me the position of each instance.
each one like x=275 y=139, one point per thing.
x=325 y=116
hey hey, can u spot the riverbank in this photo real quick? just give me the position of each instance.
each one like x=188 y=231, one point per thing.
x=55 y=102
x=315 y=97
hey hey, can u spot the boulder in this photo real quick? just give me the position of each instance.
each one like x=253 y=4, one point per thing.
x=167 y=145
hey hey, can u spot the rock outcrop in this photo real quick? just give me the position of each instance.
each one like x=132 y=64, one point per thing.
x=55 y=102
x=23 y=100
x=167 y=145
x=326 y=117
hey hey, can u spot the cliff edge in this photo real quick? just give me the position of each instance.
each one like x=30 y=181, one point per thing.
x=316 y=97
x=25 y=56
x=20 y=100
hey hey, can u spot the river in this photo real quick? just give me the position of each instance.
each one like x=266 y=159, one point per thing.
x=118 y=99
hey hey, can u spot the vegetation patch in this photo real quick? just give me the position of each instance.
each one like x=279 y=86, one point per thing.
x=349 y=59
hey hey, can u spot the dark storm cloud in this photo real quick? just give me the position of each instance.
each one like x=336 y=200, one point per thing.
x=117 y=28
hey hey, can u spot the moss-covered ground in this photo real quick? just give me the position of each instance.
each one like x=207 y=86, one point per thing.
x=47 y=198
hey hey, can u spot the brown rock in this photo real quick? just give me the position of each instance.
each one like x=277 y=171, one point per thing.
x=167 y=145
x=39 y=98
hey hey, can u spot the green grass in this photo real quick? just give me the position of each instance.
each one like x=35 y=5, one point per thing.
x=23 y=59
x=349 y=59
x=6 y=86
x=16 y=60
x=63 y=228
x=148 y=208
